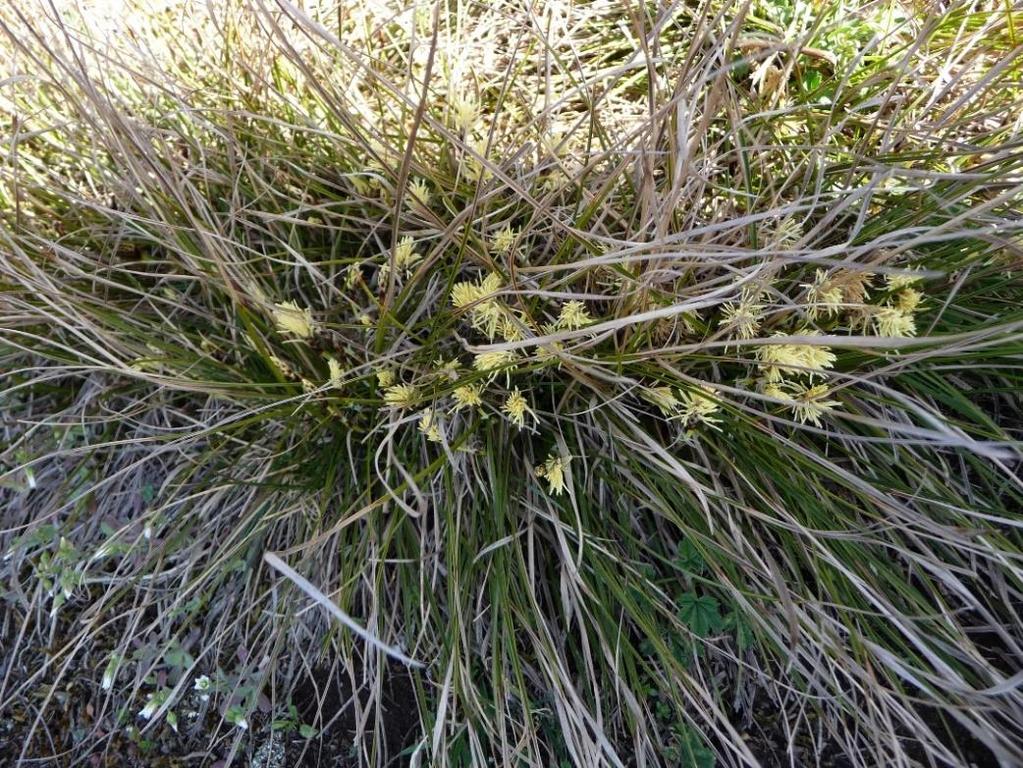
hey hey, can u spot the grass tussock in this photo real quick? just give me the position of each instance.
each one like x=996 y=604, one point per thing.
x=613 y=373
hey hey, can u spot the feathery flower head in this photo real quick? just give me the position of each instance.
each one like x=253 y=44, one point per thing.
x=811 y=360
x=405 y=256
x=901 y=280
x=490 y=284
x=487 y=315
x=776 y=390
x=400 y=395
x=909 y=299
x=573 y=315
x=352 y=275
x=510 y=327
x=429 y=426
x=336 y=372
x=809 y=404
x=742 y=317
x=553 y=470
x=893 y=321
x=463 y=294
x=822 y=295
x=385 y=377
x=467 y=396
x=698 y=405
x=664 y=398
x=420 y=192
x=516 y=407
x=503 y=240
x=294 y=320
x=490 y=361
x=464 y=113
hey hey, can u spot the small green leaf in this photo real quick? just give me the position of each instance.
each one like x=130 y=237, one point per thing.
x=700 y=614
x=307 y=731
x=689 y=559
x=812 y=80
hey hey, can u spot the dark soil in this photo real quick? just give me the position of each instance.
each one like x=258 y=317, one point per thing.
x=325 y=696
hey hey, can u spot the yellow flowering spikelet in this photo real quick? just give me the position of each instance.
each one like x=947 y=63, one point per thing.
x=573 y=315
x=467 y=396
x=810 y=404
x=909 y=300
x=464 y=113
x=699 y=406
x=353 y=275
x=476 y=168
x=775 y=360
x=405 y=256
x=504 y=240
x=896 y=281
x=492 y=361
x=664 y=398
x=776 y=390
x=742 y=318
x=429 y=426
x=293 y=320
x=893 y=321
x=400 y=395
x=385 y=377
x=336 y=373
x=553 y=470
x=822 y=295
x=464 y=294
x=420 y=193
x=283 y=367
x=517 y=407
x=511 y=328
x=487 y=315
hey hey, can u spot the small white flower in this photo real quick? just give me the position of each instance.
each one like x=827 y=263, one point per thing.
x=154 y=702
x=110 y=673
x=203 y=685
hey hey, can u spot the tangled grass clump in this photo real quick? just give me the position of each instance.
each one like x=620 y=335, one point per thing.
x=613 y=374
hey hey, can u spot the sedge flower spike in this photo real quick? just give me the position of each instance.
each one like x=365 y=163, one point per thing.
x=503 y=240
x=742 y=318
x=400 y=396
x=492 y=361
x=405 y=256
x=293 y=320
x=699 y=406
x=663 y=398
x=809 y=404
x=573 y=315
x=429 y=426
x=516 y=407
x=553 y=471
x=336 y=373
x=893 y=321
x=420 y=192
x=776 y=360
x=467 y=396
